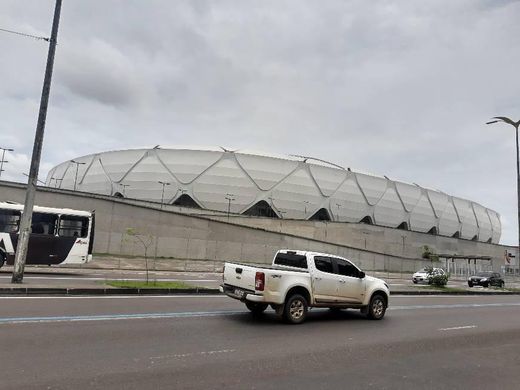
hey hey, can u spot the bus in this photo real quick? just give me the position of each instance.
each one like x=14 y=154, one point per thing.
x=58 y=236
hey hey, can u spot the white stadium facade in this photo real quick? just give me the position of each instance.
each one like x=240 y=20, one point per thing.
x=292 y=187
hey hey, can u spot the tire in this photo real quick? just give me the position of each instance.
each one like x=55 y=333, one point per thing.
x=256 y=308
x=485 y=284
x=502 y=284
x=376 y=307
x=470 y=284
x=414 y=281
x=2 y=259
x=295 y=310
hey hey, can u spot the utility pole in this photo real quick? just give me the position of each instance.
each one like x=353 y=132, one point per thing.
x=25 y=225
x=3 y=160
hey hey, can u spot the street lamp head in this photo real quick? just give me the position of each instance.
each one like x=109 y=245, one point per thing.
x=504 y=119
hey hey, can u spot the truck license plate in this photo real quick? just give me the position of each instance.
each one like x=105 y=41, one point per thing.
x=239 y=292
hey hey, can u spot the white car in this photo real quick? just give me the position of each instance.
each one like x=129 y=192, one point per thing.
x=424 y=276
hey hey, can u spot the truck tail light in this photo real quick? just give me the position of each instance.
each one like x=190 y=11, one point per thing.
x=259 y=281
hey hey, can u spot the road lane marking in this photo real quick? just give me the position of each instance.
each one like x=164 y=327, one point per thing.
x=114 y=317
x=190 y=354
x=458 y=327
x=453 y=306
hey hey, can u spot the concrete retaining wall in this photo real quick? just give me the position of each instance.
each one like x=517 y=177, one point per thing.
x=173 y=236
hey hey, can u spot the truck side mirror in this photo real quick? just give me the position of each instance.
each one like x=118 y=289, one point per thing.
x=361 y=275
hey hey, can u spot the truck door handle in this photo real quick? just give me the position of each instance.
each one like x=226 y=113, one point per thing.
x=342 y=281
x=317 y=278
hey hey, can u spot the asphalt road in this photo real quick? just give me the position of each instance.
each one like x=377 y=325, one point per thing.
x=212 y=342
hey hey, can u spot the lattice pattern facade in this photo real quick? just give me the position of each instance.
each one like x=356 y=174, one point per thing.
x=280 y=187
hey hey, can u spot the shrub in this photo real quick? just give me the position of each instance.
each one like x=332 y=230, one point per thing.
x=439 y=280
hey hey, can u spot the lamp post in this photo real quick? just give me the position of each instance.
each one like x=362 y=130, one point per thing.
x=305 y=202
x=229 y=197
x=124 y=188
x=164 y=184
x=337 y=215
x=39 y=181
x=58 y=185
x=515 y=125
x=76 y=175
x=3 y=160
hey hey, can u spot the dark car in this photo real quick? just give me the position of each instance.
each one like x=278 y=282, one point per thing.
x=485 y=279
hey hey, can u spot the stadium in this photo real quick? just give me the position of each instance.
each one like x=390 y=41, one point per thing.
x=289 y=187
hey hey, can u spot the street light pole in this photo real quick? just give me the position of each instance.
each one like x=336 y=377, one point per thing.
x=124 y=188
x=77 y=167
x=3 y=160
x=515 y=125
x=37 y=180
x=229 y=197
x=163 y=183
x=25 y=224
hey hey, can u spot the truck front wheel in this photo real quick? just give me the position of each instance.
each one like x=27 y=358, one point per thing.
x=376 y=307
x=256 y=308
x=295 y=309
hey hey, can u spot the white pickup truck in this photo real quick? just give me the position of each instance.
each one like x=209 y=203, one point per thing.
x=298 y=280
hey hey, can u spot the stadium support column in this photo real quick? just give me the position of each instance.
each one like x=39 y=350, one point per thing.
x=25 y=226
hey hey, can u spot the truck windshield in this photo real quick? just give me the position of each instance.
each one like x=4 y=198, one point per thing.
x=291 y=260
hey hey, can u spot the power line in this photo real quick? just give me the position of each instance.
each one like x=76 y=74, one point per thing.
x=25 y=35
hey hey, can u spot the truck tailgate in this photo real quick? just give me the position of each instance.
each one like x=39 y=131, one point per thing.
x=240 y=275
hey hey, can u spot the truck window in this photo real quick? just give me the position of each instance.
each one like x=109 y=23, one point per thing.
x=346 y=268
x=323 y=264
x=291 y=260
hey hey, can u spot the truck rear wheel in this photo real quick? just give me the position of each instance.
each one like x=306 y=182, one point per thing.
x=255 y=307
x=295 y=309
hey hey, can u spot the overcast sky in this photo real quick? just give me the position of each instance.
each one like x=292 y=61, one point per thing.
x=397 y=88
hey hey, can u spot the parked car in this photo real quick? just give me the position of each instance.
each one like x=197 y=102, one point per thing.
x=485 y=279
x=424 y=275
x=297 y=280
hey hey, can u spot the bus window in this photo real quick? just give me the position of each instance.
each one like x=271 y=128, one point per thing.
x=71 y=226
x=43 y=223
x=9 y=221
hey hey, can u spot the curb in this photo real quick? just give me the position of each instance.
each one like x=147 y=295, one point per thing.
x=106 y=291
